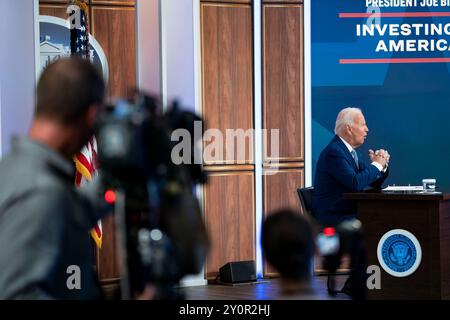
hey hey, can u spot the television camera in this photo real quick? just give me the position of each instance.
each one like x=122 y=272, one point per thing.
x=333 y=242
x=161 y=233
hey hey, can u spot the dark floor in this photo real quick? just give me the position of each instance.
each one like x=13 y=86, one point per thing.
x=266 y=290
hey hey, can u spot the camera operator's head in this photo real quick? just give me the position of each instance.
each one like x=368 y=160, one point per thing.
x=288 y=245
x=69 y=94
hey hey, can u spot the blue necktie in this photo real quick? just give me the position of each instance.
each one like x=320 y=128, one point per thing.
x=355 y=157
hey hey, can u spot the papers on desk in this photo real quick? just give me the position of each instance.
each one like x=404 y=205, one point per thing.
x=403 y=189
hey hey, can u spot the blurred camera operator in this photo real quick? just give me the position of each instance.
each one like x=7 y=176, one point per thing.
x=44 y=220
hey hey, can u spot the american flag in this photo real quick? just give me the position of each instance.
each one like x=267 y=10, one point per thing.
x=86 y=160
x=79 y=32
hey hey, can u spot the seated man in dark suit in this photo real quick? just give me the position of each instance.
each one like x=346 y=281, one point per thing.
x=338 y=171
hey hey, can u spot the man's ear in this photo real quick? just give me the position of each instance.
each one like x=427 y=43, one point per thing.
x=349 y=128
x=91 y=114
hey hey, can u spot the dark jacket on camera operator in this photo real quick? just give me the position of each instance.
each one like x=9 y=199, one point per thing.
x=44 y=226
x=44 y=221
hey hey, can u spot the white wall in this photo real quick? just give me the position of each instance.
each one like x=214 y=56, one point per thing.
x=166 y=49
x=17 y=68
x=180 y=71
x=168 y=58
x=178 y=52
x=1 y=145
x=148 y=46
x=308 y=115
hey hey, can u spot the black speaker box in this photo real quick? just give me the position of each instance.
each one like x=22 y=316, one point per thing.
x=235 y=272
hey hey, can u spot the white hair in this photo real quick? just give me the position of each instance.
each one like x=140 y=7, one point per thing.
x=346 y=117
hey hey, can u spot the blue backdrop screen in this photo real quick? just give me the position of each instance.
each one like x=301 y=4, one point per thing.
x=391 y=59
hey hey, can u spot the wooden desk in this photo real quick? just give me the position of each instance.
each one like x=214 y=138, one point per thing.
x=427 y=217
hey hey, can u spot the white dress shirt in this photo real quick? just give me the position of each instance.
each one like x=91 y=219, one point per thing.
x=350 y=149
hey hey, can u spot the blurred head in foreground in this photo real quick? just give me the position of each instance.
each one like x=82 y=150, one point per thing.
x=288 y=245
x=69 y=95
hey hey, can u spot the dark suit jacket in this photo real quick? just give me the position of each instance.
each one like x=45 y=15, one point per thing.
x=44 y=227
x=336 y=174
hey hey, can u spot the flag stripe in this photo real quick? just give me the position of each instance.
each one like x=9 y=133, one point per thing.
x=97 y=239
x=85 y=161
x=84 y=166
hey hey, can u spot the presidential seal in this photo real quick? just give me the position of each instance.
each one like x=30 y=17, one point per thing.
x=399 y=253
x=55 y=44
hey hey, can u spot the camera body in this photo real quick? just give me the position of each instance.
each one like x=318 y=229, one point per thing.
x=159 y=219
x=335 y=242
